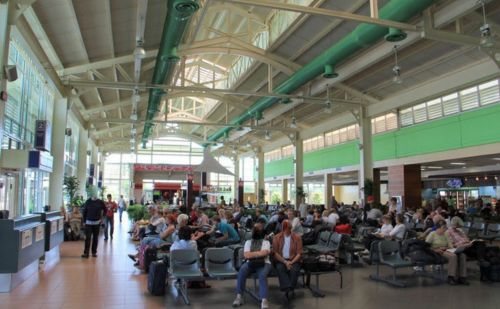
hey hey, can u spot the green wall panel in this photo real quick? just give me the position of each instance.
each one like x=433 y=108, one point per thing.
x=283 y=167
x=481 y=126
x=473 y=128
x=331 y=157
x=434 y=136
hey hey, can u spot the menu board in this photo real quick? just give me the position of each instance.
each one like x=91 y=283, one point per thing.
x=61 y=224
x=40 y=232
x=53 y=227
x=26 y=238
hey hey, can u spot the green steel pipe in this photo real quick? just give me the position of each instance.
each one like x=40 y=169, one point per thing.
x=176 y=22
x=363 y=36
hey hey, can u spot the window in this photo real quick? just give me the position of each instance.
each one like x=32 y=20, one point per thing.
x=419 y=113
x=450 y=104
x=489 y=93
x=434 y=109
x=469 y=98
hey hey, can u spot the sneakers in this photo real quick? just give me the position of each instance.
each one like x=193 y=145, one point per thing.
x=463 y=281
x=264 y=304
x=238 y=301
x=94 y=254
x=85 y=256
x=452 y=281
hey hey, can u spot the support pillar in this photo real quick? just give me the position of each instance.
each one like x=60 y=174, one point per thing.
x=376 y=185
x=189 y=193
x=406 y=181
x=57 y=151
x=298 y=165
x=365 y=153
x=284 y=190
x=5 y=9
x=241 y=192
x=81 y=171
x=261 y=189
x=93 y=165
x=328 y=179
x=236 y=179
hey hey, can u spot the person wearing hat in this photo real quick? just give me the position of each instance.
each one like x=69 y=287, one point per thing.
x=93 y=212
x=475 y=249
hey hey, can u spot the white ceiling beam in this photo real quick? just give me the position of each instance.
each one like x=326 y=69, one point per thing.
x=326 y=12
x=102 y=64
x=124 y=73
x=356 y=93
x=43 y=39
x=74 y=20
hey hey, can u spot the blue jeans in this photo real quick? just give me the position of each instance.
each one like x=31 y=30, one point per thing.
x=262 y=273
x=154 y=241
x=108 y=225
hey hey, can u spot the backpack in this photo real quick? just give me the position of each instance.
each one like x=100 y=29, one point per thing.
x=309 y=238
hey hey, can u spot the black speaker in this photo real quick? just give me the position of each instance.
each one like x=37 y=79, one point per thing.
x=68 y=132
x=10 y=73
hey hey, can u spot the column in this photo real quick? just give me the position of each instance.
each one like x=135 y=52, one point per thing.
x=376 y=185
x=261 y=189
x=236 y=161
x=241 y=192
x=5 y=9
x=365 y=154
x=405 y=181
x=328 y=179
x=189 y=193
x=57 y=151
x=93 y=165
x=298 y=164
x=284 y=190
x=81 y=171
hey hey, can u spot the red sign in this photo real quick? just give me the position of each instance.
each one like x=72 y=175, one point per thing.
x=162 y=168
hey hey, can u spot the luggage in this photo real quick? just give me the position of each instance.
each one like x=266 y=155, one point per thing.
x=157 y=278
x=326 y=262
x=310 y=263
x=150 y=255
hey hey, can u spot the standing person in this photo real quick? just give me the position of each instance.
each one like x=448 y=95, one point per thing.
x=122 y=206
x=287 y=250
x=111 y=208
x=93 y=211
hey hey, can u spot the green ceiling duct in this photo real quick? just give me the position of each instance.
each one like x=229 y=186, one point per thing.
x=330 y=72
x=395 y=35
x=363 y=36
x=179 y=13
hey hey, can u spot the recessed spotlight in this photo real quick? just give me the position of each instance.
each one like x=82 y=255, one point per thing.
x=434 y=167
x=477 y=178
x=458 y=163
x=485 y=177
x=496 y=159
x=496 y=177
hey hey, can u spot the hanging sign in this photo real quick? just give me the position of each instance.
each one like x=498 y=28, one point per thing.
x=162 y=168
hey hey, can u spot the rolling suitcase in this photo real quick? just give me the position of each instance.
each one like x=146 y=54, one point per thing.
x=157 y=278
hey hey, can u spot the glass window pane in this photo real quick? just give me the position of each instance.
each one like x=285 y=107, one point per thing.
x=489 y=93
x=450 y=104
x=469 y=98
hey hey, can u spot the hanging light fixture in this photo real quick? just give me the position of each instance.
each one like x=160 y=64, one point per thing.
x=328 y=104
x=293 y=123
x=267 y=136
x=396 y=70
x=487 y=40
x=139 y=51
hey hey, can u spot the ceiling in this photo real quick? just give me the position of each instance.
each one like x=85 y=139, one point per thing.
x=94 y=40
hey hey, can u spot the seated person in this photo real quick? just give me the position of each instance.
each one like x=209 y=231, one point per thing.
x=324 y=216
x=309 y=218
x=259 y=214
x=473 y=249
x=229 y=234
x=138 y=231
x=373 y=216
x=398 y=232
x=202 y=218
x=287 y=251
x=75 y=221
x=440 y=243
x=333 y=217
x=230 y=219
x=295 y=223
x=184 y=240
x=382 y=233
x=344 y=226
x=256 y=253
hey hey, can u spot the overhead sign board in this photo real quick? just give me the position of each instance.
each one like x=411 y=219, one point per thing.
x=162 y=168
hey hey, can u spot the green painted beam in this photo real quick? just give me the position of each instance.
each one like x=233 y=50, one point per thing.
x=363 y=36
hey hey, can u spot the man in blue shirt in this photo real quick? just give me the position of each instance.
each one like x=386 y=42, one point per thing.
x=229 y=234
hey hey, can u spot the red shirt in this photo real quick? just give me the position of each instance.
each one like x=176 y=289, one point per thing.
x=344 y=229
x=111 y=207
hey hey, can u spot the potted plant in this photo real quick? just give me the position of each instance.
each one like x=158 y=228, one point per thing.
x=70 y=185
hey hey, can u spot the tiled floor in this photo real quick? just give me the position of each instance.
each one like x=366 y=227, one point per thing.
x=110 y=281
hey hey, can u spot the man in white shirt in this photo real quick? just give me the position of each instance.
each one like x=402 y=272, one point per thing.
x=303 y=209
x=296 y=225
x=122 y=206
x=333 y=217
